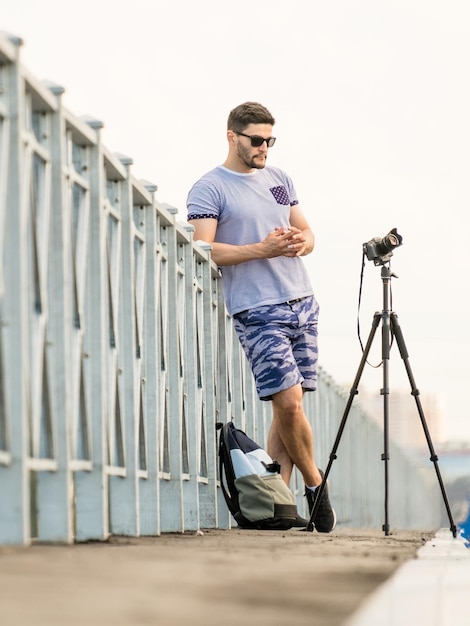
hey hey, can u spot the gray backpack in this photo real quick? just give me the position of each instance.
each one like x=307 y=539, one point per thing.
x=253 y=489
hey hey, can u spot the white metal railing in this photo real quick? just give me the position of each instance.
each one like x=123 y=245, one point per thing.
x=117 y=356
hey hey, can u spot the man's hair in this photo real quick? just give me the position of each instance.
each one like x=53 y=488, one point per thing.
x=248 y=113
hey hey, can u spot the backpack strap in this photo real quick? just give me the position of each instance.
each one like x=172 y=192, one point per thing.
x=225 y=455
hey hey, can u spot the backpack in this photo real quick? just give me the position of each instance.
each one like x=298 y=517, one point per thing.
x=251 y=482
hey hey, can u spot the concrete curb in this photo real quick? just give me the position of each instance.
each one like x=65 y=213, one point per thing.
x=432 y=589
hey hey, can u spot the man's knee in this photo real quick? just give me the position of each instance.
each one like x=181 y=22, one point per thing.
x=288 y=403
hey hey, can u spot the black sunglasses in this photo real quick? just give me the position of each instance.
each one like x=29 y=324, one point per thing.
x=257 y=141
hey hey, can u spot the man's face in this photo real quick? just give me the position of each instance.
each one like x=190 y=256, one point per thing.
x=253 y=157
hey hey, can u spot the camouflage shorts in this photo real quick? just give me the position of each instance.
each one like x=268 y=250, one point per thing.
x=280 y=342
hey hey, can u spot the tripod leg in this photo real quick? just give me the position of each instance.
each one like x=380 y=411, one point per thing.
x=396 y=330
x=353 y=392
x=385 y=393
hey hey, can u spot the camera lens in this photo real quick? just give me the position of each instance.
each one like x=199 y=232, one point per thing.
x=390 y=241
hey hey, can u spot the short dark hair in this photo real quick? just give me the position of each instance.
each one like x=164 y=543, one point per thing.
x=248 y=113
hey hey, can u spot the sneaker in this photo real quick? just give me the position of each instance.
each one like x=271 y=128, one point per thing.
x=325 y=519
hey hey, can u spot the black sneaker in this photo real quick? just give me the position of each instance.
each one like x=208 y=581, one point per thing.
x=325 y=519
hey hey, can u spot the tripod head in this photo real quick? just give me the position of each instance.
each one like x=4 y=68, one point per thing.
x=381 y=250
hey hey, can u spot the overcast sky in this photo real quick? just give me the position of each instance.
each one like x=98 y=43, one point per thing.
x=372 y=106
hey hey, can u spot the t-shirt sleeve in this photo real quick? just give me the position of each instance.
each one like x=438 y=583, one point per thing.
x=203 y=201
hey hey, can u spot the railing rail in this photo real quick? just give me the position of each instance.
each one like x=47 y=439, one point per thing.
x=117 y=356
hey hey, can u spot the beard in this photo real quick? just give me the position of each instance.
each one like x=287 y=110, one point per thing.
x=253 y=162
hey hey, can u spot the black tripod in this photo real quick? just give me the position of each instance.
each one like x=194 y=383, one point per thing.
x=390 y=328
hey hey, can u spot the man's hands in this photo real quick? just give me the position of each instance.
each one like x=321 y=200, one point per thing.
x=282 y=241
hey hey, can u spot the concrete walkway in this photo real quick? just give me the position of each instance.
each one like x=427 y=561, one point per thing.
x=234 y=577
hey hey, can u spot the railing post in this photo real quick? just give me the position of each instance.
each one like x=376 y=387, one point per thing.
x=124 y=494
x=91 y=487
x=223 y=396
x=192 y=383
x=54 y=489
x=15 y=526
x=207 y=276
x=150 y=485
x=171 y=488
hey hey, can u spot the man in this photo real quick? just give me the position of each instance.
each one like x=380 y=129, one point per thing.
x=250 y=214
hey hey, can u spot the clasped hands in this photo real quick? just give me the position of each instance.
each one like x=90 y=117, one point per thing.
x=283 y=241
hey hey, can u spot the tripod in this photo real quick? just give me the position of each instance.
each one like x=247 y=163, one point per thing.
x=390 y=328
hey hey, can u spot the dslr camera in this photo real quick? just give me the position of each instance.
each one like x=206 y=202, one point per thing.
x=381 y=250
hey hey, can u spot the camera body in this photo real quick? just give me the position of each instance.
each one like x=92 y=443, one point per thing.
x=380 y=250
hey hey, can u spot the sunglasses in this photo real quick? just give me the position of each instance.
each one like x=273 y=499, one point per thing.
x=257 y=141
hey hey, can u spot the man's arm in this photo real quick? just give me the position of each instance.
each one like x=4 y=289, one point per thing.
x=274 y=244
x=303 y=242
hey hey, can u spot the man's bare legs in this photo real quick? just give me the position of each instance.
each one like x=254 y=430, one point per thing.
x=290 y=439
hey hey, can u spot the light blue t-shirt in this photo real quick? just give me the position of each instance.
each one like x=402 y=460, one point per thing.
x=248 y=207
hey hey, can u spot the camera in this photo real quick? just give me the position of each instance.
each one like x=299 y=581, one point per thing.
x=381 y=250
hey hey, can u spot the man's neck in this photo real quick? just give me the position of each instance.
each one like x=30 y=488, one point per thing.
x=237 y=166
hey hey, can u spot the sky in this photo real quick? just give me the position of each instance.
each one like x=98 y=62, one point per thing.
x=372 y=103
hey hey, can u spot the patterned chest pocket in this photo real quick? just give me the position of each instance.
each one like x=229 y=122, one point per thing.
x=280 y=194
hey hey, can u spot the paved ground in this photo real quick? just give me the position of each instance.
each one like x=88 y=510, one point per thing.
x=218 y=577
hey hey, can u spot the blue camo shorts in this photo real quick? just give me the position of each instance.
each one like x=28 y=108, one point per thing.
x=280 y=342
